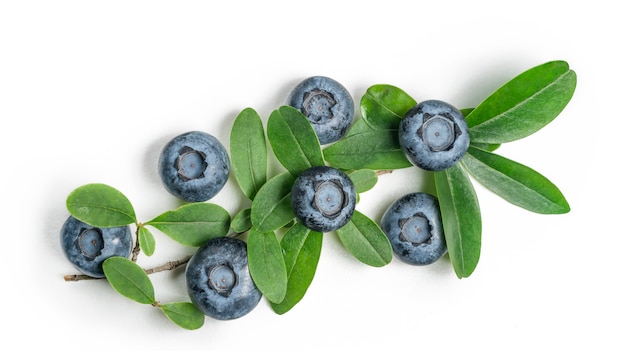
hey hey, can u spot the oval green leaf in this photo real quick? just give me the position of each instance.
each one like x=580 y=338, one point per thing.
x=365 y=147
x=241 y=222
x=363 y=179
x=271 y=208
x=462 y=223
x=248 y=152
x=194 y=223
x=383 y=106
x=514 y=182
x=524 y=105
x=267 y=265
x=293 y=140
x=146 y=241
x=302 y=248
x=128 y=279
x=100 y=205
x=184 y=314
x=364 y=239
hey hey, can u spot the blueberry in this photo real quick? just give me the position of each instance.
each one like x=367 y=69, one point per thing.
x=218 y=279
x=194 y=166
x=327 y=105
x=86 y=246
x=434 y=135
x=414 y=228
x=323 y=198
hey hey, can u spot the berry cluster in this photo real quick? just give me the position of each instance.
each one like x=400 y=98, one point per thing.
x=318 y=193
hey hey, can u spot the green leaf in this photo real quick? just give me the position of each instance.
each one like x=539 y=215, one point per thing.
x=267 y=265
x=293 y=140
x=514 y=182
x=364 y=239
x=462 y=223
x=184 y=314
x=271 y=208
x=241 y=223
x=128 y=279
x=194 y=223
x=302 y=248
x=363 y=179
x=248 y=152
x=100 y=205
x=367 y=148
x=383 y=106
x=523 y=105
x=146 y=241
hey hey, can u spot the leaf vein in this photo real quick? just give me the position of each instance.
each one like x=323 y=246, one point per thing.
x=379 y=102
x=271 y=210
x=250 y=165
x=456 y=223
x=87 y=206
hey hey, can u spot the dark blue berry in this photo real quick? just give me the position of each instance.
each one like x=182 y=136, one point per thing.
x=434 y=135
x=194 y=166
x=327 y=105
x=323 y=198
x=414 y=227
x=218 y=279
x=86 y=246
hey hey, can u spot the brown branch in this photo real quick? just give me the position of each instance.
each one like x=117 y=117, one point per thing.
x=171 y=265
x=78 y=277
x=137 y=247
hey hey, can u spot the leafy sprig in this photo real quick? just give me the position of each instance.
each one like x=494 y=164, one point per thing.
x=283 y=254
x=519 y=108
x=274 y=264
x=191 y=224
x=131 y=281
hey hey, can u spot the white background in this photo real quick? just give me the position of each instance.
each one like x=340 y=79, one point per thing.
x=90 y=92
